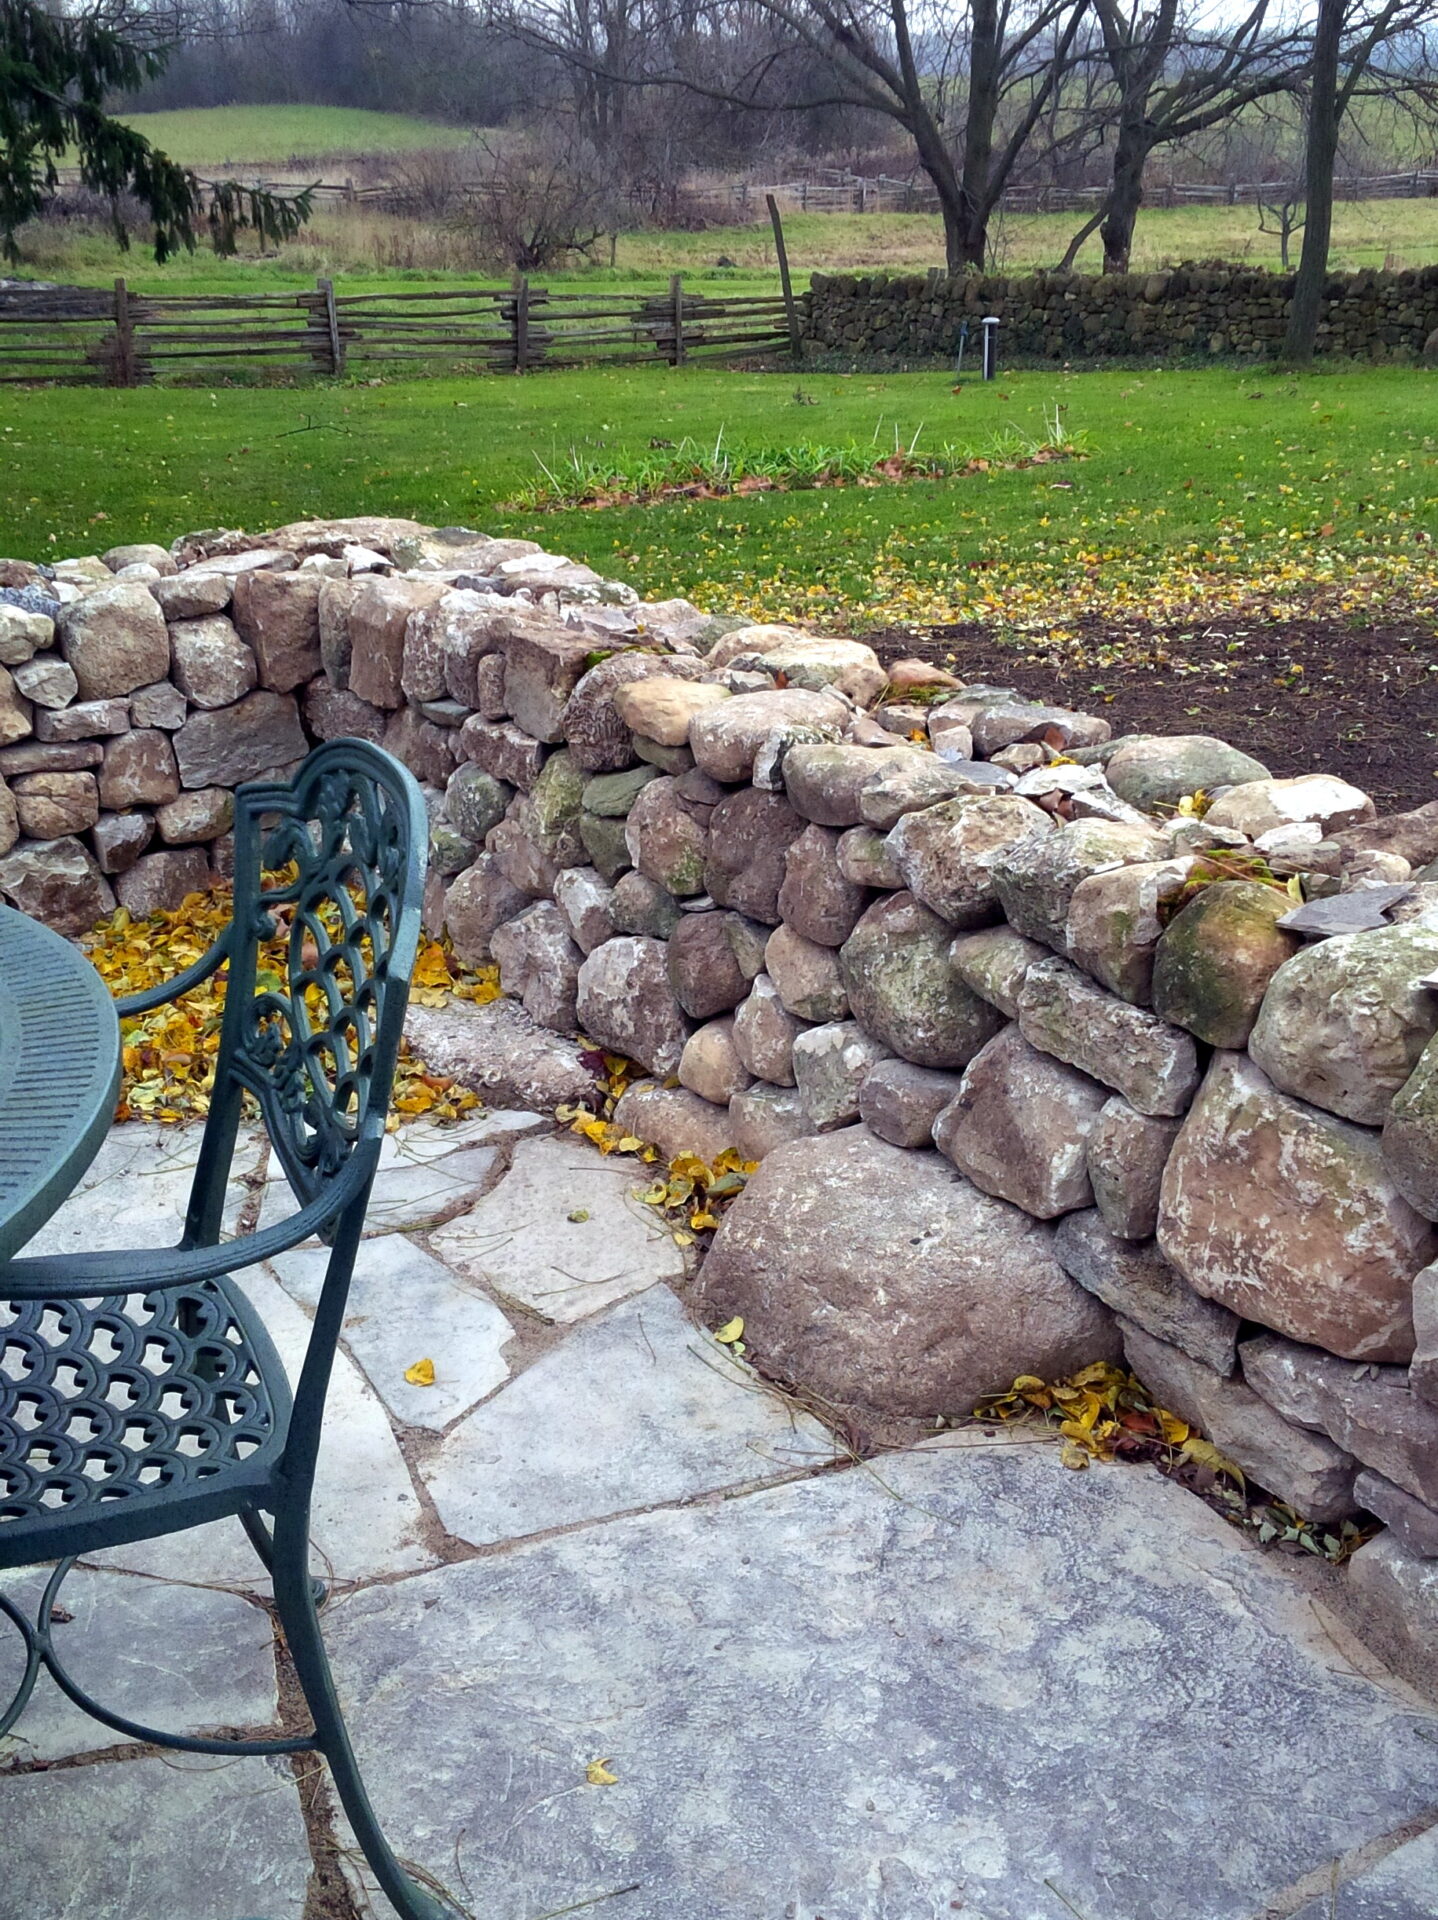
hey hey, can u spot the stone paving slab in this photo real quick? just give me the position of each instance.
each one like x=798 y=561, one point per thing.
x=180 y=1658
x=405 y=1306
x=188 y=1837
x=366 y=1518
x=1402 y=1887
x=871 y=1695
x=136 y=1189
x=525 y=1240
x=407 y=1195
x=636 y=1408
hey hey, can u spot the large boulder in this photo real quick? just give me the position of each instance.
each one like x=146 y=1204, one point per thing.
x=824 y=781
x=1157 y=772
x=882 y=1281
x=946 y=853
x=1290 y=1218
x=1115 y=921
x=1018 y=1125
x=1261 y=806
x=259 y=735
x=816 y=900
x=278 y=616
x=212 y=665
x=814 y=662
x=704 y=967
x=626 y=1004
x=56 y=881
x=1343 y=1023
x=114 y=640
x=1127 y=1153
x=667 y=837
x=1135 y=1280
x=902 y=989
x=539 y=964
x=598 y=735
x=1216 y=957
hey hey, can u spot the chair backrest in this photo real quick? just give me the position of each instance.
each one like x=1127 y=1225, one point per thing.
x=333 y=862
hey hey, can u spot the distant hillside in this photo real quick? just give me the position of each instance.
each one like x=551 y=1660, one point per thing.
x=267 y=136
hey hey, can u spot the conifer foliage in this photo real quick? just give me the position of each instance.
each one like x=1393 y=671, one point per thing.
x=55 y=75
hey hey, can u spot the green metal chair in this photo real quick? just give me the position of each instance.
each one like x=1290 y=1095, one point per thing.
x=140 y=1393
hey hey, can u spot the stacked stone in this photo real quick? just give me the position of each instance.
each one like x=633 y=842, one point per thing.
x=1372 y=314
x=139 y=687
x=1023 y=1097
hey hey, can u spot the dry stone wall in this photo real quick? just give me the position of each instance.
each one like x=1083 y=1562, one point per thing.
x=1039 y=1063
x=1188 y=311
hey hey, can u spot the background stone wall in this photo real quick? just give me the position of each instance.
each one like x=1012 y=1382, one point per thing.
x=1040 y=1066
x=1189 y=311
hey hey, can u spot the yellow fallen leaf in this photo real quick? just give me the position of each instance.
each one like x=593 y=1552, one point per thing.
x=702 y=1219
x=1073 y=1456
x=598 y=1775
x=731 y=1331
x=1174 y=1430
x=421 y=1374
x=1204 y=1454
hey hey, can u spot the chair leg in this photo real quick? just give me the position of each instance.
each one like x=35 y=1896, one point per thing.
x=263 y=1542
x=295 y=1603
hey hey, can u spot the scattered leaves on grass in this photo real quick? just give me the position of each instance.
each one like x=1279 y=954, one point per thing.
x=1105 y=1413
x=169 y=1054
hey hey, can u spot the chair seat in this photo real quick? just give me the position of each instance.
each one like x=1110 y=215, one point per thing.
x=132 y=1415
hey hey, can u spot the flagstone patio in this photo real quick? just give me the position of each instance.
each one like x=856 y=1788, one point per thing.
x=955 y=1680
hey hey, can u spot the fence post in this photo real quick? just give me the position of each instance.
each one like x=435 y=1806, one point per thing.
x=521 y=322
x=796 y=344
x=676 y=303
x=126 y=373
x=332 y=327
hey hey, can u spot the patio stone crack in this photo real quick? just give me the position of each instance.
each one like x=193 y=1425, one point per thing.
x=1327 y=1880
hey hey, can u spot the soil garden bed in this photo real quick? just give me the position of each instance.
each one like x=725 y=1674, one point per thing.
x=1302 y=696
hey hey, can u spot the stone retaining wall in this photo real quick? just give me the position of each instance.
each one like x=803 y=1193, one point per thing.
x=1044 y=1060
x=1188 y=311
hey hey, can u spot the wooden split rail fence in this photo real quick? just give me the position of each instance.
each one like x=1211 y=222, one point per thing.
x=81 y=336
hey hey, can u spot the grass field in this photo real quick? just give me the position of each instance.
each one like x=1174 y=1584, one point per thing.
x=368 y=249
x=1198 y=482
x=240 y=136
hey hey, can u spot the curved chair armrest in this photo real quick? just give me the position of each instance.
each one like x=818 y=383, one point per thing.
x=82 y=1276
x=213 y=958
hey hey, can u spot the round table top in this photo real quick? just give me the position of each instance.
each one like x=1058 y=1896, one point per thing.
x=59 y=1073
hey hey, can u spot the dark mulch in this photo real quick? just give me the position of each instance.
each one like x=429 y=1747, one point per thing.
x=1364 y=706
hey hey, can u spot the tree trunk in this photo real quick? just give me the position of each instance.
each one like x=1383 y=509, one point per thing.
x=1319 y=158
x=1125 y=197
x=985 y=80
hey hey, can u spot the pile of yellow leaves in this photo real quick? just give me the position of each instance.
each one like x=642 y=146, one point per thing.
x=169 y=1054
x=690 y=1192
x=1106 y=1413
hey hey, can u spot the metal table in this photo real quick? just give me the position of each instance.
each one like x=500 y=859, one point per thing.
x=59 y=1073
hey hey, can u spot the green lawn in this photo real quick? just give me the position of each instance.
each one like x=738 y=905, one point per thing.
x=1197 y=480
x=239 y=136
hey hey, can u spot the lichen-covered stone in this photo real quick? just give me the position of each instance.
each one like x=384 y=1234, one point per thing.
x=1153 y=1064
x=587 y=904
x=474 y=801
x=813 y=661
x=904 y=783
x=194 y=819
x=56 y=881
x=765 y=1032
x=1135 y=1280
x=478 y=902
x=668 y=837
x=1036 y=876
x=831 y=1063
x=749 y=834
x=902 y=989
x=613 y=794
x=599 y=736
x=900 y=1102
x=866 y=858
x=115 y=640
x=502 y=749
x=992 y=962
x=883 y=1281
x=710 y=1065
x=806 y=976
x=946 y=853
x=1287 y=1216
x=49 y=805
x=704 y=969
x=824 y=781
x=605 y=843
x=277 y=615
x=257 y=736
x=725 y=738
x=1115 y=921
x=1127 y=1153
x=1410 y=1135
x=1343 y=1023
x=641 y=906
x=1216 y=957
x=1018 y=1124
x=539 y=964
x=1257 y=807
x=816 y=900
x=1155 y=773
x=661 y=706
x=762 y=1118
x=627 y=1005
x=378 y=607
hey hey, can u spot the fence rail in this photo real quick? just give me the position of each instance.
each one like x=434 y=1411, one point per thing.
x=80 y=336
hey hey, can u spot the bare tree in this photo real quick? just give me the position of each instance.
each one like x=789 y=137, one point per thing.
x=1349 y=36
x=1173 y=75
x=967 y=85
x=1281 y=212
x=539 y=198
